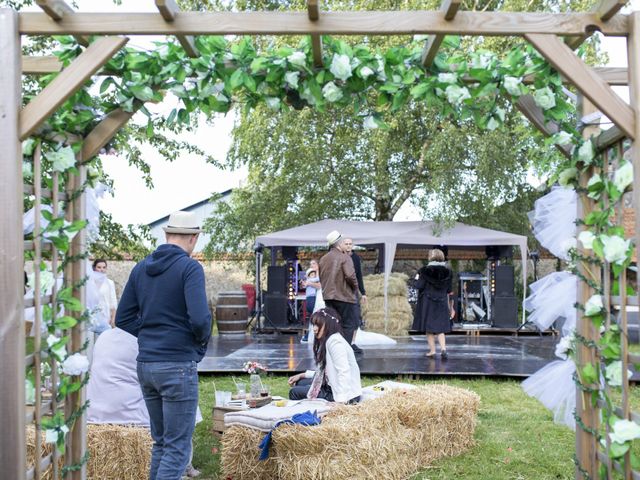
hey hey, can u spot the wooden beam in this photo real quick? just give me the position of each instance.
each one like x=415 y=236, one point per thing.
x=593 y=87
x=450 y=8
x=68 y=82
x=313 y=11
x=633 y=53
x=57 y=9
x=527 y=105
x=104 y=131
x=331 y=23
x=605 y=10
x=12 y=339
x=41 y=65
x=169 y=10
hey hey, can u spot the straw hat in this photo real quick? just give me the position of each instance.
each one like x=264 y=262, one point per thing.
x=184 y=223
x=310 y=270
x=333 y=237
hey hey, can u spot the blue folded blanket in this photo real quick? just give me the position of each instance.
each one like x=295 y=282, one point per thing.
x=307 y=418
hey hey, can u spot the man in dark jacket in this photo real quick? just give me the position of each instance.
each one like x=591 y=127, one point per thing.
x=164 y=304
x=357 y=265
x=339 y=284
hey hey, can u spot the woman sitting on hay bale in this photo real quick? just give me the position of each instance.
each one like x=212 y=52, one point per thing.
x=337 y=376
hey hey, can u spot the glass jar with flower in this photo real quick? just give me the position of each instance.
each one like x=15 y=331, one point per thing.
x=255 y=383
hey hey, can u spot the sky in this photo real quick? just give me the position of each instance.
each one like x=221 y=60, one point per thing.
x=189 y=179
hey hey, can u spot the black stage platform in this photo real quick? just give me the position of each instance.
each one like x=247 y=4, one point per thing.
x=484 y=355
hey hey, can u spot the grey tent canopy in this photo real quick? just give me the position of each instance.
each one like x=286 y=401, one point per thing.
x=390 y=235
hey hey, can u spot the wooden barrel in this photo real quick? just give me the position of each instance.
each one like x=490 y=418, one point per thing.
x=232 y=314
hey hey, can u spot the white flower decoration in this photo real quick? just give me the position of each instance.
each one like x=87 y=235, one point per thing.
x=565 y=346
x=613 y=372
x=308 y=96
x=623 y=176
x=481 y=61
x=51 y=435
x=615 y=248
x=447 y=78
x=298 y=58
x=567 y=175
x=341 y=66
x=331 y=92
x=46 y=281
x=273 y=103
x=594 y=180
x=512 y=86
x=624 y=431
x=420 y=38
x=366 y=72
x=593 y=306
x=62 y=159
x=75 y=364
x=545 y=98
x=586 y=238
x=585 y=152
x=562 y=138
x=292 y=78
x=492 y=124
x=456 y=95
x=370 y=123
x=27 y=170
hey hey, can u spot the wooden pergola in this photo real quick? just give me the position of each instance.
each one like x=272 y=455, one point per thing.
x=554 y=35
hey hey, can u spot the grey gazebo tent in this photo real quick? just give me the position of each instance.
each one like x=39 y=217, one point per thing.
x=390 y=235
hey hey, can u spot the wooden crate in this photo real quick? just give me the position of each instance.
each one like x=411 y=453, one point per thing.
x=218 y=419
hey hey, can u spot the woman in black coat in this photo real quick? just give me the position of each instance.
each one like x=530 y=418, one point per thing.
x=434 y=309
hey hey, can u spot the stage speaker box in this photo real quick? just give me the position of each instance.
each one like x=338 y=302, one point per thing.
x=275 y=311
x=505 y=312
x=504 y=281
x=499 y=251
x=277 y=279
x=290 y=253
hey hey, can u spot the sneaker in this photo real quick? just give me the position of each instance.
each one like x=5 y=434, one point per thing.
x=305 y=338
x=356 y=349
x=444 y=355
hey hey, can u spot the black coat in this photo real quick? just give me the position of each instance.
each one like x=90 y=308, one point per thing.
x=434 y=284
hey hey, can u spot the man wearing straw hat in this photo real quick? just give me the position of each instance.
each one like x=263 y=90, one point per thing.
x=339 y=284
x=164 y=304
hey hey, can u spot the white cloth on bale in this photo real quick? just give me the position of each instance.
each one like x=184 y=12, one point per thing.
x=114 y=390
x=554 y=220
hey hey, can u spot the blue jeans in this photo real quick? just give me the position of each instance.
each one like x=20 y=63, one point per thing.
x=170 y=390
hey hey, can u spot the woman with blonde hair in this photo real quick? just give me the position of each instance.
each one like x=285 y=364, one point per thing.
x=434 y=309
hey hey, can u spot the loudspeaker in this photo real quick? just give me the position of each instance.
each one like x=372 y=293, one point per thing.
x=277 y=279
x=499 y=251
x=290 y=253
x=505 y=312
x=504 y=281
x=275 y=310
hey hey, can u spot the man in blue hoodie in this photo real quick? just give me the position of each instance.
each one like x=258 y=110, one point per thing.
x=164 y=304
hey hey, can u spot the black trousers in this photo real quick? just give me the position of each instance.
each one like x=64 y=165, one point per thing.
x=349 y=319
x=301 y=388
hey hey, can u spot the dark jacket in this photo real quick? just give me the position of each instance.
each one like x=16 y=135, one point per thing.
x=164 y=304
x=338 y=277
x=357 y=265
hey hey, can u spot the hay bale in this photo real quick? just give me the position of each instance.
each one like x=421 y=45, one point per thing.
x=116 y=452
x=399 y=313
x=374 y=284
x=389 y=437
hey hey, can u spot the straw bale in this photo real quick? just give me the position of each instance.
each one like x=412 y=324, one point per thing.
x=400 y=316
x=389 y=437
x=116 y=452
x=240 y=455
x=374 y=284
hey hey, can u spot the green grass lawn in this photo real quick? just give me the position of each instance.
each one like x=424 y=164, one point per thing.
x=515 y=436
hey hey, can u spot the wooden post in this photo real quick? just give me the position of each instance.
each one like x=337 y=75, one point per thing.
x=586 y=443
x=634 y=96
x=75 y=272
x=12 y=340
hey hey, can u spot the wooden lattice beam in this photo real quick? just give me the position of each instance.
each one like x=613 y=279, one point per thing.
x=606 y=10
x=104 y=131
x=331 y=23
x=593 y=87
x=57 y=9
x=41 y=65
x=169 y=11
x=67 y=83
x=527 y=105
x=432 y=45
x=313 y=11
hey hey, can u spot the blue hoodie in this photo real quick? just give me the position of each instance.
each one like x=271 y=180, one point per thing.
x=164 y=304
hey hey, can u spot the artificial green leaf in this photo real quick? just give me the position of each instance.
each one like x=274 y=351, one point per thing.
x=65 y=322
x=589 y=374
